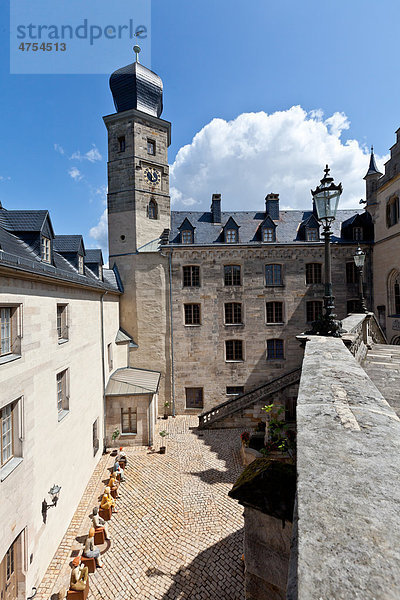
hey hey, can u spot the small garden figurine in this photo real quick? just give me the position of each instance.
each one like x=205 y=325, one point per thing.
x=245 y=437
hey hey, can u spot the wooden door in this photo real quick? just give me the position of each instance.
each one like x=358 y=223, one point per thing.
x=8 y=575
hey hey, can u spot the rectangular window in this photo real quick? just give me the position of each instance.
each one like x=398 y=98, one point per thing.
x=290 y=409
x=234 y=390
x=110 y=357
x=274 y=349
x=314 y=310
x=46 y=252
x=62 y=322
x=234 y=350
x=313 y=273
x=121 y=144
x=233 y=313
x=274 y=312
x=95 y=436
x=62 y=393
x=268 y=235
x=273 y=274
x=151 y=147
x=312 y=235
x=194 y=397
x=231 y=236
x=10 y=563
x=128 y=420
x=357 y=233
x=80 y=264
x=191 y=276
x=187 y=237
x=351 y=272
x=7 y=441
x=232 y=275
x=5 y=331
x=192 y=314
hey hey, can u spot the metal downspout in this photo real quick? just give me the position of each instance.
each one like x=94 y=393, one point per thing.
x=172 y=333
x=103 y=370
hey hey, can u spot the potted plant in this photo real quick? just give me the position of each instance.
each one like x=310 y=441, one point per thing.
x=163 y=434
x=114 y=436
x=166 y=407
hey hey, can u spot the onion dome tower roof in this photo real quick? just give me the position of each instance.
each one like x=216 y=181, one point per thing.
x=135 y=86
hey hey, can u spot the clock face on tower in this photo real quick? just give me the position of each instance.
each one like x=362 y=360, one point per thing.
x=152 y=176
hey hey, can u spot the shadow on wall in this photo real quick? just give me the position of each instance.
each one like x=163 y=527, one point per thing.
x=215 y=573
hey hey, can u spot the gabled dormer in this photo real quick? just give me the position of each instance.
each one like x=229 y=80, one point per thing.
x=231 y=231
x=34 y=228
x=186 y=231
x=72 y=249
x=359 y=228
x=309 y=229
x=94 y=261
x=267 y=230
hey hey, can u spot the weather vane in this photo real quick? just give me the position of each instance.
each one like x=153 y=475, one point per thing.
x=136 y=47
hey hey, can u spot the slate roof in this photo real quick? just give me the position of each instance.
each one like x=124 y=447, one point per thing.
x=208 y=233
x=68 y=243
x=94 y=256
x=136 y=86
x=23 y=220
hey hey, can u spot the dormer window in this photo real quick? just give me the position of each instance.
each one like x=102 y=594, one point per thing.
x=46 y=249
x=80 y=264
x=153 y=209
x=268 y=234
x=187 y=237
x=312 y=234
x=357 y=233
x=231 y=236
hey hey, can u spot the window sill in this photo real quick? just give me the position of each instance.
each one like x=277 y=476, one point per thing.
x=193 y=408
x=9 y=358
x=62 y=414
x=62 y=340
x=234 y=324
x=235 y=361
x=128 y=434
x=9 y=467
x=274 y=324
x=192 y=324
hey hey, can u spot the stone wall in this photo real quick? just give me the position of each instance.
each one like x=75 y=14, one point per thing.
x=140 y=403
x=348 y=460
x=199 y=351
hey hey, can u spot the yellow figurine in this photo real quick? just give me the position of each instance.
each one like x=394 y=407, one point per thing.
x=107 y=501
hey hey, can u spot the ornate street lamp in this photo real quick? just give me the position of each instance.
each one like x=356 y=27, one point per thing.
x=326 y=197
x=54 y=493
x=359 y=259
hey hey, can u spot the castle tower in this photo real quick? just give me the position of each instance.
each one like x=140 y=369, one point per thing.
x=139 y=211
x=371 y=179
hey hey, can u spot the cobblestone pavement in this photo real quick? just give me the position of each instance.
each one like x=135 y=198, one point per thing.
x=176 y=535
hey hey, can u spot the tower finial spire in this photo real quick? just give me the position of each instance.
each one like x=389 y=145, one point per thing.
x=137 y=50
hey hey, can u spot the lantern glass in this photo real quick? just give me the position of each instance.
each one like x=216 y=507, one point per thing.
x=359 y=258
x=326 y=202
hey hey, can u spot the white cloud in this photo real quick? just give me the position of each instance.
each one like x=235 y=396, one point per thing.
x=75 y=174
x=4 y=178
x=59 y=149
x=100 y=232
x=257 y=153
x=91 y=155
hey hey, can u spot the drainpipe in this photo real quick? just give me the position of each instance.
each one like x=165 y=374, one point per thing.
x=103 y=370
x=172 y=333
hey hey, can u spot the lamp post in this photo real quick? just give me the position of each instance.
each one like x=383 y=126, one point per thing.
x=54 y=493
x=326 y=197
x=359 y=259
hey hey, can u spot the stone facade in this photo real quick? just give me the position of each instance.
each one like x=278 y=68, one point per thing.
x=382 y=193
x=51 y=446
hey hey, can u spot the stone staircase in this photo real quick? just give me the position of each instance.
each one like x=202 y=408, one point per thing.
x=265 y=391
x=382 y=365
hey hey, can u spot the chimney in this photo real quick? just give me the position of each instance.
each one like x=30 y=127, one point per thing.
x=216 y=208
x=272 y=206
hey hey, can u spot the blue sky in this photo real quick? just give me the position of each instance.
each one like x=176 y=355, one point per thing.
x=218 y=59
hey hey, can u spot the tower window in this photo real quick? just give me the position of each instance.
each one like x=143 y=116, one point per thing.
x=121 y=144
x=392 y=211
x=151 y=147
x=153 y=209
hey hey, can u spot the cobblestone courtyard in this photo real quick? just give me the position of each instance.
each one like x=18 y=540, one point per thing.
x=177 y=534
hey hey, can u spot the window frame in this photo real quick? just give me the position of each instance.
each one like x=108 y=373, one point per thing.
x=6 y=325
x=392 y=211
x=95 y=436
x=232 y=275
x=81 y=265
x=152 y=210
x=268 y=232
x=275 y=355
x=151 y=144
x=131 y=412
x=187 y=236
x=274 y=304
x=231 y=387
x=121 y=144
x=191 y=389
x=62 y=323
x=45 y=249
x=110 y=358
x=15 y=332
x=193 y=268
x=313 y=273
x=315 y=314
x=273 y=271
x=192 y=317
x=312 y=234
x=237 y=356
x=63 y=400
x=231 y=236
x=235 y=313
x=9 y=418
x=358 y=234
